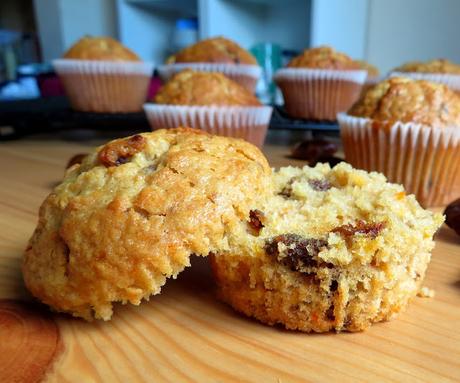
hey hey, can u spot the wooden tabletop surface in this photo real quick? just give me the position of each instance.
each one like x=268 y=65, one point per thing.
x=185 y=334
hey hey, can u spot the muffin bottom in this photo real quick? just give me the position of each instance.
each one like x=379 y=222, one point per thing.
x=261 y=288
x=318 y=99
x=106 y=93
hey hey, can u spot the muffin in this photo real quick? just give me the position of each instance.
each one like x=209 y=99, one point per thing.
x=332 y=249
x=373 y=74
x=131 y=214
x=320 y=83
x=439 y=70
x=216 y=54
x=212 y=102
x=410 y=131
x=101 y=75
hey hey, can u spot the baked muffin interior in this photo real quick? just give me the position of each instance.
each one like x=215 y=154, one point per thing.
x=100 y=48
x=214 y=50
x=331 y=249
x=204 y=88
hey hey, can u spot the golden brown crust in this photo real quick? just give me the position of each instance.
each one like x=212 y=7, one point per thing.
x=100 y=48
x=214 y=50
x=406 y=100
x=116 y=230
x=372 y=70
x=204 y=88
x=432 y=66
x=323 y=57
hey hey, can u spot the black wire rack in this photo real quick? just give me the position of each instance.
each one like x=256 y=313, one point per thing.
x=53 y=114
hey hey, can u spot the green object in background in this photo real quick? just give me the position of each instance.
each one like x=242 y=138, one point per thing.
x=268 y=56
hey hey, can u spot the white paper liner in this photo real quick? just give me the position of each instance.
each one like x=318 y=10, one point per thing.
x=358 y=76
x=426 y=160
x=105 y=86
x=451 y=80
x=247 y=122
x=319 y=94
x=243 y=74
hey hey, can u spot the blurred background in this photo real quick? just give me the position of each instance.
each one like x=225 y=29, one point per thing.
x=385 y=33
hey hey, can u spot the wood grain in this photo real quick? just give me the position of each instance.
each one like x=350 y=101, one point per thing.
x=184 y=334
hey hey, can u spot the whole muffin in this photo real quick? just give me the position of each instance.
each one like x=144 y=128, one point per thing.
x=212 y=102
x=131 y=214
x=333 y=249
x=440 y=70
x=410 y=131
x=319 y=83
x=99 y=74
x=216 y=54
x=100 y=48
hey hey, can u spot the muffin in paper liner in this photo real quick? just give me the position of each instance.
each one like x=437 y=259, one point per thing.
x=243 y=74
x=247 y=122
x=425 y=159
x=105 y=86
x=319 y=94
x=451 y=80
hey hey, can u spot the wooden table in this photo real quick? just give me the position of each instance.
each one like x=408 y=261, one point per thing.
x=185 y=334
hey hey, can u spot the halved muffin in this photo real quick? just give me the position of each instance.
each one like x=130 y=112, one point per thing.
x=216 y=54
x=332 y=249
x=212 y=102
x=99 y=74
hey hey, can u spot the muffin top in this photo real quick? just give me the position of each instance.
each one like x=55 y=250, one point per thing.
x=407 y=100
x=372 y=70
x=323 y=57
x=214 y=50
x=204 y=88
x=433 y=66
x=100 y=48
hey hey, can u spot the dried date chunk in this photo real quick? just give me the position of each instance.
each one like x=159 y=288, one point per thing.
x=312 y=150
x=319 y=185
x=120 y=152
x=452 y=214
x=76 y=159
x=255 y=221
x=371 y=229
x=295 y=252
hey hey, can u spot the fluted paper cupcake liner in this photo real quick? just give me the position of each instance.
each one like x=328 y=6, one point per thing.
x=245 y=75
x=105 y=86
x=426 y=160
x=319 y=94
x=247 y=122
x=451 y=80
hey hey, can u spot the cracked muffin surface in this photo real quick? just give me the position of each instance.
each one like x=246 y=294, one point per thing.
x=131 y=214
x=190 y=87
x=407 y=100
x=100 y=48
x=323 y=57
x=213 y=50
x=332 y=249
